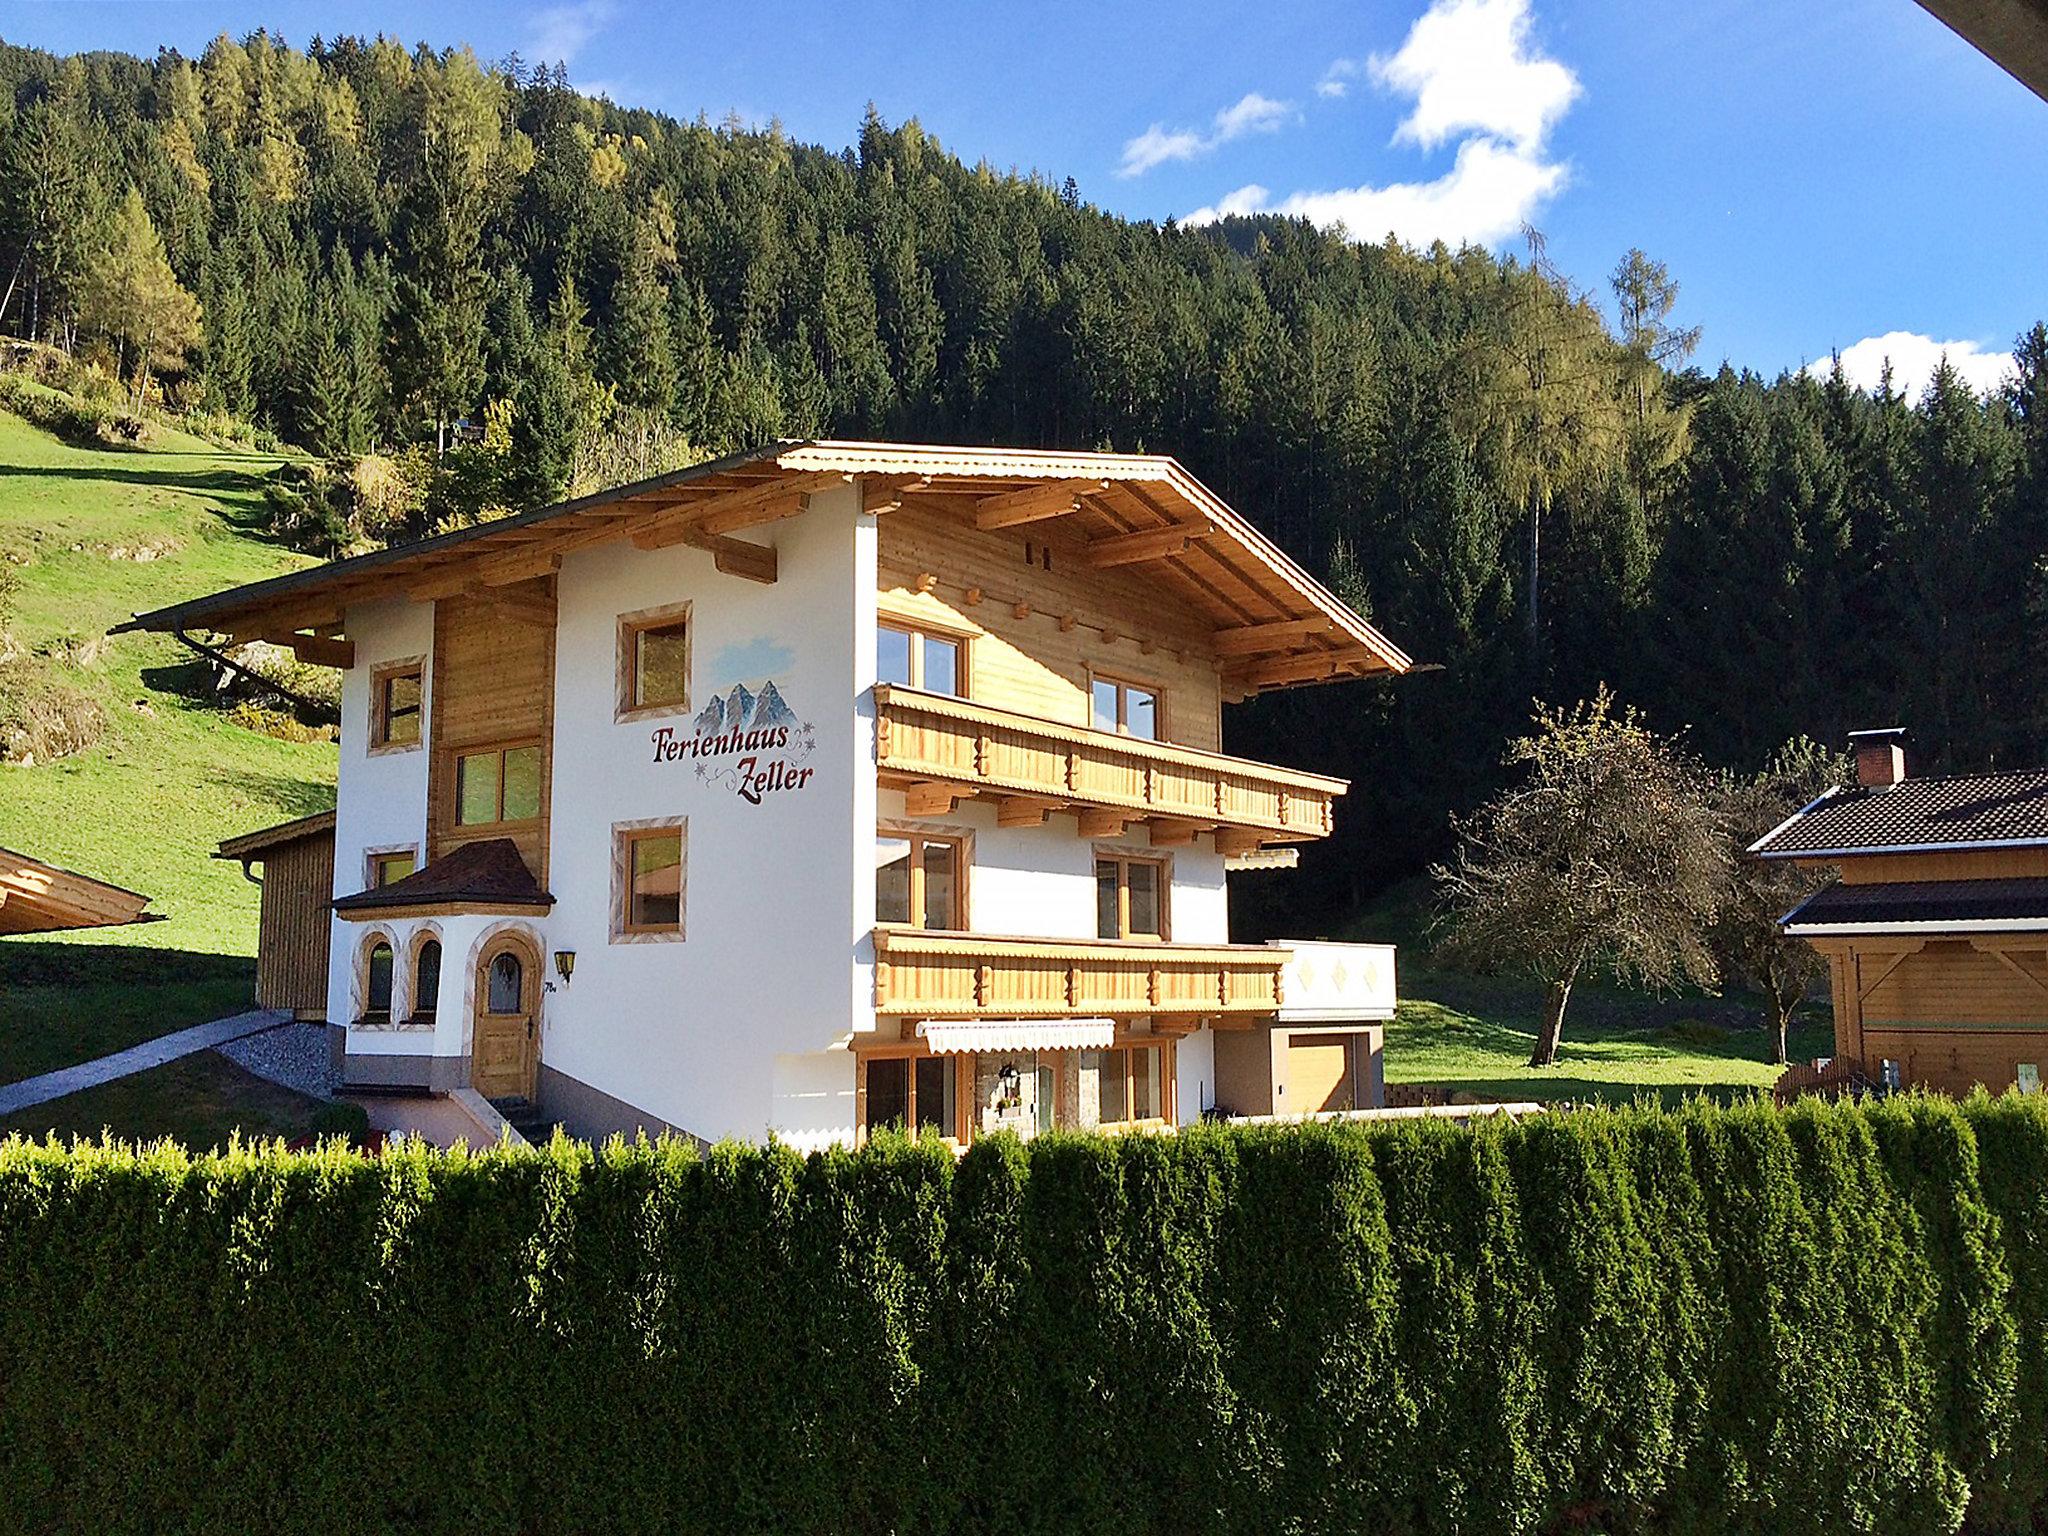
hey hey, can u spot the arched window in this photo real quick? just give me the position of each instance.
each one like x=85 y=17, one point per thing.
x=507 y=983
x=377 y=982
x=426 y=979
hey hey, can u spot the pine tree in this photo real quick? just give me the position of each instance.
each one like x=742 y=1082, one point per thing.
x=436 y=346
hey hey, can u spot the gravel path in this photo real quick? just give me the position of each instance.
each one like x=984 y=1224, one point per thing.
x=292 y=1055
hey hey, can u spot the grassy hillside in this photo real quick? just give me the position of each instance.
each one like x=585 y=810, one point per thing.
x=92 y=536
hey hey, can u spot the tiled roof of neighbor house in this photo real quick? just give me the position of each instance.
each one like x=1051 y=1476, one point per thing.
x=1276 y=625
x=1979 y=810
x=253 y=845
x=1918 y=904
x=488 y=874
x=42 y=898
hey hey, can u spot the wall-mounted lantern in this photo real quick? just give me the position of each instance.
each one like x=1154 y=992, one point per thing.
x=565 y=964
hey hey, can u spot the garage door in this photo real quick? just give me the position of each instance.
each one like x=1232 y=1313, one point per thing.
x=1318 y=1073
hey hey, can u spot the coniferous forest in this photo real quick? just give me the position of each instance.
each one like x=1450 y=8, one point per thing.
x=467 y=289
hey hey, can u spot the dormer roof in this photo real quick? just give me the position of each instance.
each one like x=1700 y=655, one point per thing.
x=1276 y=626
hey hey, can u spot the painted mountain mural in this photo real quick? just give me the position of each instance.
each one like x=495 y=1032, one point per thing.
x=769 y=708
x=744 y=711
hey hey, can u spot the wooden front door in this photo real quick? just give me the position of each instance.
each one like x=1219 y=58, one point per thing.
x=505 y=1052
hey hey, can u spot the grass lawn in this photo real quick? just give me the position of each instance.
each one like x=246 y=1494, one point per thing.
x=1475 y=1033
x=171 y=777
x=198 y=1100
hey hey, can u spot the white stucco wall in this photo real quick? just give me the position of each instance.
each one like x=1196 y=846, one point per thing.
x=381 y=798
x=762 y=993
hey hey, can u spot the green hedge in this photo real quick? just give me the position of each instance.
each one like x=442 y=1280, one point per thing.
x=1828 y=1319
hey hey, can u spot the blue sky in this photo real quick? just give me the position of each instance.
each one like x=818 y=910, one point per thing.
x=1816 y=175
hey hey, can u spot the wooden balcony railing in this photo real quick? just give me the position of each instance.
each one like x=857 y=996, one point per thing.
x=944 y=749
x=926 y=974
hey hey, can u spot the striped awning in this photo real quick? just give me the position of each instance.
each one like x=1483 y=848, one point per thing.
x=947 y=1037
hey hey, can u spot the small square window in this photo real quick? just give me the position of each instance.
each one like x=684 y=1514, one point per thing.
x=650 y=873
x=654 y=661
x=390 y=868
x=655 y=899
x=395 y=705
x=661 y=665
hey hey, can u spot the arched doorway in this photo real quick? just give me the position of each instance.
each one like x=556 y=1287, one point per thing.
x=504 y=1053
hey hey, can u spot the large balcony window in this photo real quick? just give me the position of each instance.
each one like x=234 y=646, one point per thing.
x=920 y=880
x=498 y=784
x=914 y=657
x=1130 y=898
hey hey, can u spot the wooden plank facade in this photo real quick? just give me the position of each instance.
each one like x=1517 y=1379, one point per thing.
x=292 y=926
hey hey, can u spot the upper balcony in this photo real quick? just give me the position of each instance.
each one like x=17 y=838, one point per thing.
x=941 y=750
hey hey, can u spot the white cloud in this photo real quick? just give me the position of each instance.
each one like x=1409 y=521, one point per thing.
x=1156 y=146
x=557 y=33
x=1913 y=359
x=1336 y=81
x=1250 y=113
x=1474 y=78
x=1488 y=194
x=1469 y=66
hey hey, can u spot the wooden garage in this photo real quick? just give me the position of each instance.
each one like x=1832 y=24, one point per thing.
x=1936 y=932
x=292 y=931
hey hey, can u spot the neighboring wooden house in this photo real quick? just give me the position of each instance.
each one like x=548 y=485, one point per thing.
x=292 y=929
x=1936 y=932
x=36 y=897
x=828 y=787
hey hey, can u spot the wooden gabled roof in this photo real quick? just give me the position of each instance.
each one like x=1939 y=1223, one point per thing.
x=1275 y=624
x=36 y=897
x=252 y=847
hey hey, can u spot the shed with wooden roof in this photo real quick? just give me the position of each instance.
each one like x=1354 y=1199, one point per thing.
x=291 y=936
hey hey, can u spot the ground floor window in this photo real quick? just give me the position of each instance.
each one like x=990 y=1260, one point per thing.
x=911 y=1093
x=1026 y=1093
x=1120 y=1086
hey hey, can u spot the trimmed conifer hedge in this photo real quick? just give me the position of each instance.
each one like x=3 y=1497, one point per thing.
x=1828 y=1319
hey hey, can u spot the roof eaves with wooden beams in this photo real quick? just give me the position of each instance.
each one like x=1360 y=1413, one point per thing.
x=1275 y=625
x=251 y=847
x=36 y=897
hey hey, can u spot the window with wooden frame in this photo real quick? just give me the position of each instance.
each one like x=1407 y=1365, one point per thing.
x=650 y=877
x=496 y=786
x=1120 y=705
x=1124 y=1085
x=920 y=878
x=1130 y=896
x=426 y=979
x=396 y=705
x=654 y=662
x=387 y=866
x=911 y=655
x=910 y=1093
x=378 y=970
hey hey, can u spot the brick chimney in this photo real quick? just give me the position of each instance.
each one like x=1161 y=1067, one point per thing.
x=1880 y=756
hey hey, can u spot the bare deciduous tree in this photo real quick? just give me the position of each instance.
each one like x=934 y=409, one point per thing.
x=1611 y=857
x=1746 y=935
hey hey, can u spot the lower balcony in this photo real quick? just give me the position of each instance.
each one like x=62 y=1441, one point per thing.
x=920 y=973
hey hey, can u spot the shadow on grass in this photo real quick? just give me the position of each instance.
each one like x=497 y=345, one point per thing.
x=44 y=962
x=239 y=481
x=298 y=797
